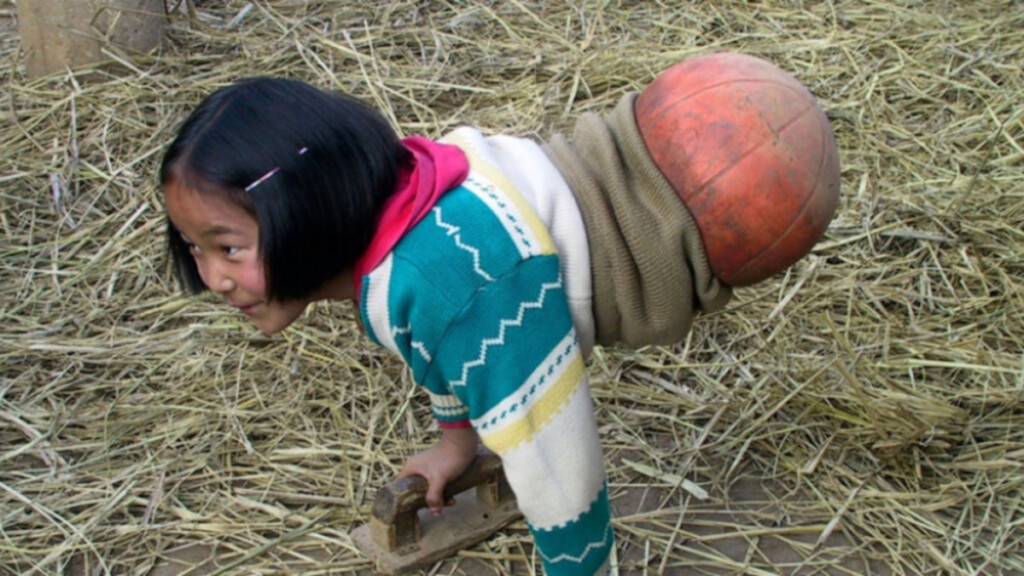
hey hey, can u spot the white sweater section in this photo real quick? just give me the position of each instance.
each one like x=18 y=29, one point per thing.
x=544 y=188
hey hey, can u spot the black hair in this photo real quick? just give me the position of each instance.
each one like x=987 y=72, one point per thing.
x=317 y=212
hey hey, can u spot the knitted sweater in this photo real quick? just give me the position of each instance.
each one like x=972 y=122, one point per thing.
x=484 y=311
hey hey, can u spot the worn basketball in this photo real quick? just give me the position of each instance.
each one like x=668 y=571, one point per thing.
x=750 y=154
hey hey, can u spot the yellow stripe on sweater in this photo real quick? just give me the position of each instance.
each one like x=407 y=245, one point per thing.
x=541 y=413
x=498 y=178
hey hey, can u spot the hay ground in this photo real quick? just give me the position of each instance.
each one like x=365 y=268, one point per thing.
x=860 y=414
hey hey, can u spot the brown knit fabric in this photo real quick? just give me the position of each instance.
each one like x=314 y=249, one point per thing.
x=650 y=273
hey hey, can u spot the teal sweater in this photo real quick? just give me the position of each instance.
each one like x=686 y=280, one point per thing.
x=473 y=298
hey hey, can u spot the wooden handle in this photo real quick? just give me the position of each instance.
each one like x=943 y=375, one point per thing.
x=395 y=521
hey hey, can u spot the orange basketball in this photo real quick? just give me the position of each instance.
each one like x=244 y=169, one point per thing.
x=750 y=154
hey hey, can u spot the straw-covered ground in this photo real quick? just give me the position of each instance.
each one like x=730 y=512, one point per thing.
x=863 y=413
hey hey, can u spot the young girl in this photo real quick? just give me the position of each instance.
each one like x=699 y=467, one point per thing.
x=279 y=194
x=492 y=265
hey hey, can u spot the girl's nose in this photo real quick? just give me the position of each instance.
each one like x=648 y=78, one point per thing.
x=216 y=278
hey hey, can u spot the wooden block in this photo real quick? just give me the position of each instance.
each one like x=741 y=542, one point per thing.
x=403 y=534
x=56 y=34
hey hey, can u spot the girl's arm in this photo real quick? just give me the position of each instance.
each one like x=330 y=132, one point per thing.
x=513 y=359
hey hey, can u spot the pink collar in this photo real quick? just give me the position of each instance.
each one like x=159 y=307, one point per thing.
x=436 y=169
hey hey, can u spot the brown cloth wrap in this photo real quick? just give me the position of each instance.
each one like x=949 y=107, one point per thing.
x=650 y=272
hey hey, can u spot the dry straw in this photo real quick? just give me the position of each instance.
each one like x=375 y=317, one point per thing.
x=860 y=414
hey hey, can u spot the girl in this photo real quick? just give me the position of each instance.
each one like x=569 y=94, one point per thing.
x=278 y=195
x=492 y=265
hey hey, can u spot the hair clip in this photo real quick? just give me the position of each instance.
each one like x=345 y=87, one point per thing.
x=272 y=171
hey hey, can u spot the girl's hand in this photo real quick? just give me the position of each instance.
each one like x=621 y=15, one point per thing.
x=442 y=463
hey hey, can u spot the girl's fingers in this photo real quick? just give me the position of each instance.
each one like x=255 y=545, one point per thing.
x=435 y=496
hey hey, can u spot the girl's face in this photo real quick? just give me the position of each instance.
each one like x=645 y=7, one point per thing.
x=224 y=241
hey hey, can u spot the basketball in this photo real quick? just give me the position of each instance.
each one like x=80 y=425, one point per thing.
x=750 y=154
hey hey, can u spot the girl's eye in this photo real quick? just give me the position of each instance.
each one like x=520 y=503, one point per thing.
x=229 y=250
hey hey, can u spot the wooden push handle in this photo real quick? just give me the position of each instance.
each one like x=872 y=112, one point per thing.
x=395 y=523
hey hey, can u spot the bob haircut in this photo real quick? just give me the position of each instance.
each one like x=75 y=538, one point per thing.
x=318 y=166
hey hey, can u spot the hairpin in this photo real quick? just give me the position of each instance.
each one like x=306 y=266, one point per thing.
x=272 y=171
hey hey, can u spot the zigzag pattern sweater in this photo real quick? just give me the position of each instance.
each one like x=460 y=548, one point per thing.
x=478 y=302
